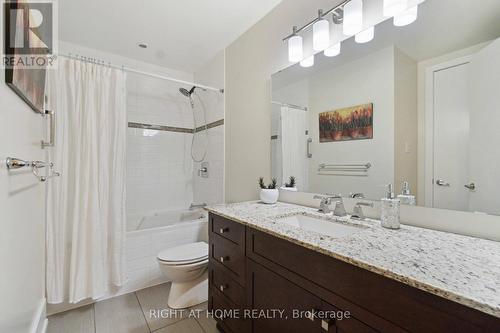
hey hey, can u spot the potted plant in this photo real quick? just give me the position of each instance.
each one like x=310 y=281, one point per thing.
x=291 y=185
x=268 y=194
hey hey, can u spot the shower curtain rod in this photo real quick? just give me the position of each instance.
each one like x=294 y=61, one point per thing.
x=131 y=70
x=303 y=108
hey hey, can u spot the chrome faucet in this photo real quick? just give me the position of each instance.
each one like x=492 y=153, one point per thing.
x=326 y=201
x=324 y=205
x=358 y=209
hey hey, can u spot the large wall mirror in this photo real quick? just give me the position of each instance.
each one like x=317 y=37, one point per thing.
x=418 y=104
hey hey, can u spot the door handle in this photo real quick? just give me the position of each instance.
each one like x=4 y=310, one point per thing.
x=441 y=182
x=309 y=141
x=470 y=186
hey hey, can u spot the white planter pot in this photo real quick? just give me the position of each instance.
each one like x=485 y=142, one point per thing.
x=269 y=196
x=291 y=189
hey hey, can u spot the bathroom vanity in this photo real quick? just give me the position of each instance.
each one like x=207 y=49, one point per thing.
x=268 y=262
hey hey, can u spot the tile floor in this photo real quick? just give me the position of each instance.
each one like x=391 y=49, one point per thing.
x=134 y=313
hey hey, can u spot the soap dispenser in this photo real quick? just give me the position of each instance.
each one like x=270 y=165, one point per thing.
x=390 y=207
x=406 y=197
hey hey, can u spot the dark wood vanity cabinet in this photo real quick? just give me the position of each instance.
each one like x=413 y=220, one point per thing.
x=261 y=283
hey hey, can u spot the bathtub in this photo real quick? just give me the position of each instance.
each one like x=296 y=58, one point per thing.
x=171 y=218
x=154 y=233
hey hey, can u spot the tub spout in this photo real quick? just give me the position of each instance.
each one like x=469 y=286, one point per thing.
x=194 y=206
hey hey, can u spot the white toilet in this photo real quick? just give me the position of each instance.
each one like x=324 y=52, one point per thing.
x=186 y=266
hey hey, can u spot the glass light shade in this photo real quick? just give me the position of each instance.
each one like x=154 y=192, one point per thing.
x=365 y=36
x=321 y=35
x=307 y=62
x=333 y=50
x=394 y=7
x=353 y=17
x=406 y=17
x=295 y=51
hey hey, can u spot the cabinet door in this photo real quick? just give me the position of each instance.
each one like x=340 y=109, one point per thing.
x=339 y=322
x=270 y=293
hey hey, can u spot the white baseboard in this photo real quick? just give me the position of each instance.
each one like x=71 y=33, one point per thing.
x=40 y=322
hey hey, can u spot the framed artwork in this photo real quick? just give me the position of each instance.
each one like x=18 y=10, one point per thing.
x=352 y=123
x=27 y=80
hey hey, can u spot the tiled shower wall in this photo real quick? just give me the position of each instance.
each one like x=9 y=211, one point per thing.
x=159 y=165
x=161 y=175
x=211 y=190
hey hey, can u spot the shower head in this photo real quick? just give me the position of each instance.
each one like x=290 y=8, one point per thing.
x=186 y=92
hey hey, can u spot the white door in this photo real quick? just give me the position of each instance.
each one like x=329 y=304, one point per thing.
x=484 y=87
x=294 y=129
x=451 y=137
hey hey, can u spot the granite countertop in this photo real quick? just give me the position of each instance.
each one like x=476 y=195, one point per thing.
x=459 y=268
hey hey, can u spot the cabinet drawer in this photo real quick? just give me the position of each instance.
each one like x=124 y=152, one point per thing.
x=343 y=325
x=229 y=256
x=409 y=308
x=228 y=229
x=229 y=315
x=226 y=286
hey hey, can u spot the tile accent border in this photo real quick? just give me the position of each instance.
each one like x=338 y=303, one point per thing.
x=175 y=129
x=160 y=128
x=211 y=125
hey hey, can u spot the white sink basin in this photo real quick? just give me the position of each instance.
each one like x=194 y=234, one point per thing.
x=322 y=226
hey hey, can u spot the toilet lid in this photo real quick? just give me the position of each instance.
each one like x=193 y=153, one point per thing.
x=185 y=253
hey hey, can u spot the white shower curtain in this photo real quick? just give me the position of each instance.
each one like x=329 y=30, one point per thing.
x=86 y=205
x=294 y=124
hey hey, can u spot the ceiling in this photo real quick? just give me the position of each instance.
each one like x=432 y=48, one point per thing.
x=182 y=35
x=443 y=26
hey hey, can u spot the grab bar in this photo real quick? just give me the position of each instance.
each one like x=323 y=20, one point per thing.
x=309 y=141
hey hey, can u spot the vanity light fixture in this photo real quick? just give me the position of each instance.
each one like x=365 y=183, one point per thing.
x=307 y=62
x=365 y=36
x=295 y=50
x=407 y=17
x=333 y=50
x=394 y=7
x=321 y=33
x=349 y=13
x=353 y=17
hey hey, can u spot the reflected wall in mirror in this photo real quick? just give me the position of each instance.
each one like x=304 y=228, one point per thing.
x=434 y=86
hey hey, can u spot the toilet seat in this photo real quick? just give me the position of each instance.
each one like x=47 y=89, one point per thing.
x=183 y=263
x=187 y=254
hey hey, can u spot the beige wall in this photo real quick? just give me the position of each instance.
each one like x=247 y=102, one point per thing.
x=250 y=62
x=405 y=115
x=22 y=219
x=342 y=87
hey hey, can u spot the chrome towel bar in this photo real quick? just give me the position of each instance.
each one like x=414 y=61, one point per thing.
x=345 y=167
x=16 y=163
